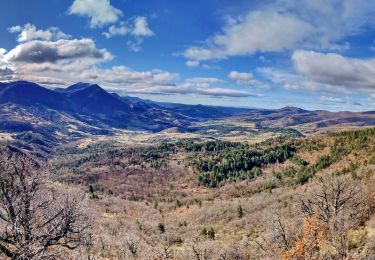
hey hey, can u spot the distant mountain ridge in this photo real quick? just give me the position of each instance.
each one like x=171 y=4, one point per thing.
x=81 y=100
x=28 y=94
x=87 y=109
x=96 y=108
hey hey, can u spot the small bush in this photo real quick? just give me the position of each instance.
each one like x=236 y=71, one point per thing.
x=161 y=228
x=211 y=233
x=239 y=211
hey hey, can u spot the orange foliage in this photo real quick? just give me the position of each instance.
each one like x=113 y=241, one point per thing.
x=309 y=245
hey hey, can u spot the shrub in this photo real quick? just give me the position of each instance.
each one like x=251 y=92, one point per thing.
x=211 y=233
x=161 y=228
x=299 y=161
x=203 y=232
x=239 y=211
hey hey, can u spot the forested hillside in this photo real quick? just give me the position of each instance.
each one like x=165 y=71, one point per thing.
x=289 y=198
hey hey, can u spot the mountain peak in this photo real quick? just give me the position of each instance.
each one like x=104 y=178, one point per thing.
x=292 y=109
x=29 y=94
x=21 y=83
x=81 y=86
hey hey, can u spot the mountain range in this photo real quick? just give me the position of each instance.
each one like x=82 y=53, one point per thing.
x=84 y=108
x=30 y=111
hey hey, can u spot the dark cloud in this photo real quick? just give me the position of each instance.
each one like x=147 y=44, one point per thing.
x=52 y=52
x=6 y=73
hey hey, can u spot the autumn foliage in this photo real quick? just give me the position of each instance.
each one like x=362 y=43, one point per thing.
x=312 y=242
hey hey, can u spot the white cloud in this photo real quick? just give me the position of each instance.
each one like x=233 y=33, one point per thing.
x=78 y=64
x=211 y=87
x=29 y=32
x=292 y=81
x=59 y=62
x=336 y=70
x=15 y=29
x=285 y=25
x=192 y=63
x=135 y=44
x=334 y=100
x=121 y=77
x=137 y=28
x=141 y=28
x=224 y=92
x=259 y=31
x=184 y=90
x=339 y=102
x=193 y=86
x=122 y=29
x=2 y=53
x=4 y=65
x=325 y=73
x=157 y=82
x=242 y=78
x=100 y=12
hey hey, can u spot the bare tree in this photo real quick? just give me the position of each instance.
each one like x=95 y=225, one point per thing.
x=34 y=218
x=166 y=252
x=340 y=204
x=200 y=254
x=132 y=245
x=335 y=198
x=280 y=234
x=233 y=253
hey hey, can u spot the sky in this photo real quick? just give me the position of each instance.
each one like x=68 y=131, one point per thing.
x=268 y=54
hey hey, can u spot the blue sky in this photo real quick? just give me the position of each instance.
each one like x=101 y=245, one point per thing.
x=311 y=54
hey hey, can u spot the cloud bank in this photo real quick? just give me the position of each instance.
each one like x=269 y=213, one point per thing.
x=286 y=25
x=53 y=58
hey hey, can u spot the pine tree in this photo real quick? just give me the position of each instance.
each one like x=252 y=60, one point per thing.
x=239 y=212
x=211 y=233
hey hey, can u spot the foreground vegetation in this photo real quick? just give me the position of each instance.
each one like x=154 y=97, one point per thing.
x=284 y=198
x=37 y=221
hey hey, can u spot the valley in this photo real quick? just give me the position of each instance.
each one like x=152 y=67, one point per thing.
x=187 y=130
x=200 y=182
x=181 y=199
